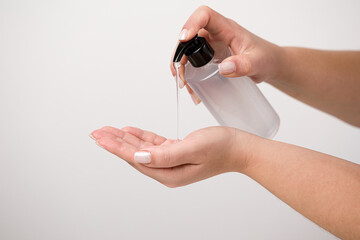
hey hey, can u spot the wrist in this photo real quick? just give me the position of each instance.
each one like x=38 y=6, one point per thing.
x=283 y=65
x=277 y=62
x=244 y=151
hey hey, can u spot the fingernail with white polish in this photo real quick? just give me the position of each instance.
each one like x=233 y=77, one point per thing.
x=226 y=67
x=142 y=157
x=183 y=34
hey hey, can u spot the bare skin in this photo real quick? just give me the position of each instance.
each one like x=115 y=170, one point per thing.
x=323 y=188
x=326 y=80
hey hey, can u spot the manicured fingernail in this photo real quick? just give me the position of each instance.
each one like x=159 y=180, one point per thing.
x=97 y=143
x=142 y=157
x=92 y=137
x=183 y=34
x=195 y=99
x=226 y=67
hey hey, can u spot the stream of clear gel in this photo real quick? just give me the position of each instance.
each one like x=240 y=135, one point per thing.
x=177 y=79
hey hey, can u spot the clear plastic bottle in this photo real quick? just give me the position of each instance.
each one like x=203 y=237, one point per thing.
x=234 y=102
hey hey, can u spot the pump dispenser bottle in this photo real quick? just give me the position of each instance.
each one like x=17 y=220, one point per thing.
x=234 y=102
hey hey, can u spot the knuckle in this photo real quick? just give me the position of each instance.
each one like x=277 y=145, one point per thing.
x=247 y=67
x=165 y=157
x=203 y=12
x=243 y=66
x=204 y=8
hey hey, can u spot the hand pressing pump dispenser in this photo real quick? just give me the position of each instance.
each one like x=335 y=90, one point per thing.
x=234 y=102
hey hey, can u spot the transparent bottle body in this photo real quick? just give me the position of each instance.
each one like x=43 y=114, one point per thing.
x=234 y=102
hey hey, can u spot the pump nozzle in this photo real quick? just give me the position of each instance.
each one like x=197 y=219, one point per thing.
x=181 y=48
x=197 y=50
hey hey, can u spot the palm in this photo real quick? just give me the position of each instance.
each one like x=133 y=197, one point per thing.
x=200 y=155
x=125 y=142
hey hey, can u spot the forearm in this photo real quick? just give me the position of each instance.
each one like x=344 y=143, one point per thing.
x=327 y=80
x=323 y=188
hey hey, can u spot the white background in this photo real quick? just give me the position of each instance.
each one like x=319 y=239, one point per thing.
x=69 y=67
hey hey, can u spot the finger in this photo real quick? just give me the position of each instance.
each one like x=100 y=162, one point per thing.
x=210 y=20
x=236 y=66
x=113 y=130
x=127 y=137
x=172 y=177
x=110 y=132
x=167 y=156
x=118 y=147
x=205 y=34
x=183 y=60
x=97 y=134
x=145 y=136
x=193 y=95
x=171 y=60
x=182 y=81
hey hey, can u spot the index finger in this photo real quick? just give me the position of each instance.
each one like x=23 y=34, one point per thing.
x=206 y=18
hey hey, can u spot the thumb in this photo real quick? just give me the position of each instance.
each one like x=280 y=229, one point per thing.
x=165 y=156
x=235 y=66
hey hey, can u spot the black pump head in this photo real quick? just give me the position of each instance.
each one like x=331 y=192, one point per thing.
x=197 y=50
